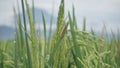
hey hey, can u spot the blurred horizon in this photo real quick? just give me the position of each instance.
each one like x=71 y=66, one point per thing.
x=96 y=12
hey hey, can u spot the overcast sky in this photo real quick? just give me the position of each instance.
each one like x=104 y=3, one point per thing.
x=96 y=12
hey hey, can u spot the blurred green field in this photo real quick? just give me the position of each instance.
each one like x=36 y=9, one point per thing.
x=65 y=48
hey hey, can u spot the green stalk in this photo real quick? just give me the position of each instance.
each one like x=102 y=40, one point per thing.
x=84 y=24
x=31 y=23
x=44 y=24
x=76 y=47
x=44 y=47
x=32 y=35
x=16 y=56
x=74 y=18
x=56 y=38
x=21 y=38
x=33 y=11
x=16 y=44
x=26 y=40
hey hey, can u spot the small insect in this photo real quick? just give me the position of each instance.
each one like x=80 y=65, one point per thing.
x=63 y=30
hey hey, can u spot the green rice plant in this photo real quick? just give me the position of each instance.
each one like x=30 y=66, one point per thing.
x=26 y=39
x=56 y=38
x=44 y=47
x=15 y=44
x=65 y=48
x=74 y=18
x=75 y=51
x=33 y=38
x=20 y=30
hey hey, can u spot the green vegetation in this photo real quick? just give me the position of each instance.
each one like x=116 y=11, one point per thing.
x=65 y=48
